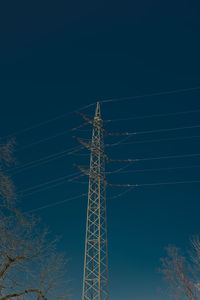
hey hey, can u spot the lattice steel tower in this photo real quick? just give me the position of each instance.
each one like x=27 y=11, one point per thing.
x=95 y=277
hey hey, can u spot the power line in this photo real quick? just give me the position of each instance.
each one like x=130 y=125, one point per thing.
x=177 y=91
x=48 y=121
x=123 y=193
x=153 y=116
x=37 y=188
x=126 y=133
x=42 y=189
x=154 y=131
x=118 y=143
x=73 y=150
x=155 y=158
x=119 y=195
x=155 y=184
x=49 y=138
x=150 y=170
x=168 y=129
x=55 y=203
x=120 y=169
x=45 y=160
x=153 y=141
x=57 y=181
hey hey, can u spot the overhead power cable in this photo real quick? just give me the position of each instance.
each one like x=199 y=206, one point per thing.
x=155 y=158
x=155 y=131
x=153 y=141
x=151 y=170
x=121 y=142
x=153 y=116
x=54 y=203
x=162 y=93
x=48 y=121
x=123 y=193
x=155 y=184
x=49 y=138
x=112 y=198
x=120 y=169
x=42 y=189
x=45 y=185
x=111 y=134
x=37 y=125
x=45 y=160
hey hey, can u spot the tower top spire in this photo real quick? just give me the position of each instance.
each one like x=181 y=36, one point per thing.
x=98 y=111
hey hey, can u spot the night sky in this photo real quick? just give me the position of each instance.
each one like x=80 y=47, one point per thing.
x=59 y=56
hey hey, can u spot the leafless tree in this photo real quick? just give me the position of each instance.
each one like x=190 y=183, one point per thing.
x=30 y=266
x=182 y=272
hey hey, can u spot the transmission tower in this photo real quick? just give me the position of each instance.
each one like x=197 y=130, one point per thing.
x=95 y=277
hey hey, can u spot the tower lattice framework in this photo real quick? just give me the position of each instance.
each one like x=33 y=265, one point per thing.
x=95 y=278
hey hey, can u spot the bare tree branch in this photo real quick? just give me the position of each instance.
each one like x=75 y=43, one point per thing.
x=23 y=293
x=29 y=261
x=183 y=272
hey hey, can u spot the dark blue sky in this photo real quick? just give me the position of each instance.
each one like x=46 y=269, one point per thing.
x=57 y=56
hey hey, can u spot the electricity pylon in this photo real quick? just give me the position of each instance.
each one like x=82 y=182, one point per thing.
x=95 y=277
